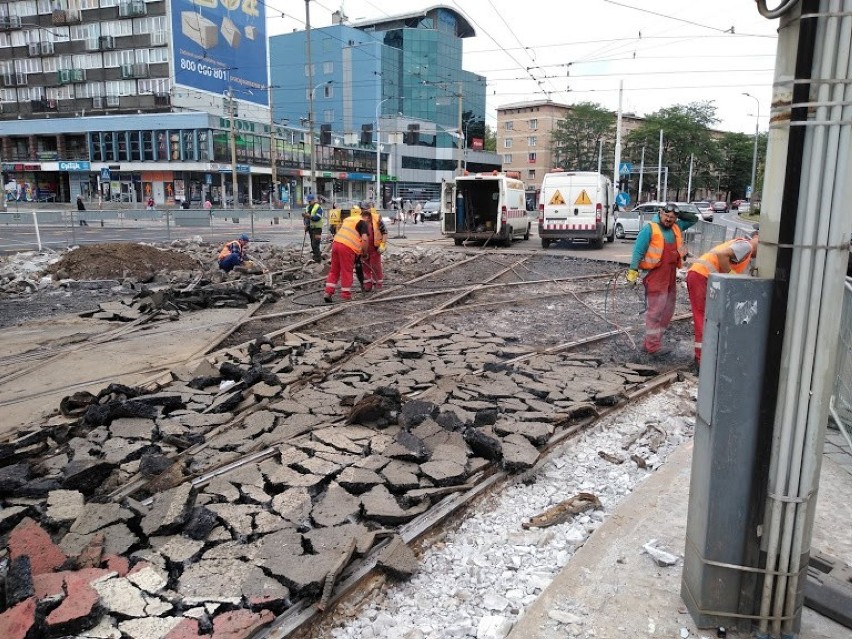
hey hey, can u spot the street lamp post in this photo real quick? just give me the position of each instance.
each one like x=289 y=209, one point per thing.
x=754 y=153
x=311 y=133
x=378 y=192
x=233 y=143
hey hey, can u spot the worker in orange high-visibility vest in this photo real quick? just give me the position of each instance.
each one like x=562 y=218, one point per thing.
x=233 y=253
x=372 y=265
x=659 y=252
x=349 y=242
x=733 y=256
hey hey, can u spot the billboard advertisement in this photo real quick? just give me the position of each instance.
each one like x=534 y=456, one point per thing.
x=220 y=45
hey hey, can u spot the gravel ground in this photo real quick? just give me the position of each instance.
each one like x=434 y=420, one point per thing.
x=477 y=579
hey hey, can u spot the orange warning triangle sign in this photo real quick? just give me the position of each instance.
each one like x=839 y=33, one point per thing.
x=583 y=198
x=556 y=198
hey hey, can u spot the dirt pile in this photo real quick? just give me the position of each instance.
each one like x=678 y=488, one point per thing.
x=120 y=261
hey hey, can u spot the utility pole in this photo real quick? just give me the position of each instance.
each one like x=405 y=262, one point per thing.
x=754 y=152
x=641 y=175
x=273 y=195
x=617 y=161
x=660 y=166
x=461 y=133
x=310 y=94
x=600 y=154
x=233 y=141
x=689 y=184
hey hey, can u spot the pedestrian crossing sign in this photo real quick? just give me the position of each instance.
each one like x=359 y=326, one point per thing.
x=556 y=198
x=583 y=198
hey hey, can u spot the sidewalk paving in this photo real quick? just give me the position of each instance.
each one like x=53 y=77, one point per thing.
x=612 y=590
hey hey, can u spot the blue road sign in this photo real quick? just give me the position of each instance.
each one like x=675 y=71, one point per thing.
x=625 y=168
x=623 y=198
x=105 y=174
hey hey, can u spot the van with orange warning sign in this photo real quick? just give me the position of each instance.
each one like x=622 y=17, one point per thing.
x=486 y=207
x=576 y=205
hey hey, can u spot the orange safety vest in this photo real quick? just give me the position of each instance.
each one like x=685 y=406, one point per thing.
x=227 y=250
x=709 y=262
x=377 y=234
x=655 y=249
x=348 y=235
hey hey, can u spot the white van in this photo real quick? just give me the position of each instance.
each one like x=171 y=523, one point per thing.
x=486 y=207
x=576 y=205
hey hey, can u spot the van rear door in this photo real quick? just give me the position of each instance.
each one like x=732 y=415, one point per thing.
x=448 y=209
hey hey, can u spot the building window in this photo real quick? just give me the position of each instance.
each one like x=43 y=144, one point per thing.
x=534 y=124
x=507 y=143
x=531 y=158
x=508 y=125
x=328 y=67
x=328 y=116
x=507 y=158
x=532 y=141
x=531 y=174
x=309 y=69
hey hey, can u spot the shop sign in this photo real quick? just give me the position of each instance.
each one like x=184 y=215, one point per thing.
x=75 y=166
x=13 y=166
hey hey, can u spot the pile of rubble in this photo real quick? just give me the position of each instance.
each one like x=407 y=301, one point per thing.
x=107 y=536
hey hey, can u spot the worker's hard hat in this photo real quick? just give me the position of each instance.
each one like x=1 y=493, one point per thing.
x=311 y=197
x=670 y=207
x=244 y=238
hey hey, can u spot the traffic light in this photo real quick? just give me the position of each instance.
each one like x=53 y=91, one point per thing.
x=325 y=134
x=366 y=135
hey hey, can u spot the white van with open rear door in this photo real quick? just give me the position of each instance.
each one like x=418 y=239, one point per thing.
x=485 y=207
x=576 y=205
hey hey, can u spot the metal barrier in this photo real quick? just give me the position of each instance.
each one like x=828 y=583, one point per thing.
x=703 y=236
x=841 y=400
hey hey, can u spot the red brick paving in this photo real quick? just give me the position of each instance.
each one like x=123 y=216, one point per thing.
x=28 y=538
x=16 y=622
x=117 y=564
x=186 y=629
x=50 y=584
x=79 y=603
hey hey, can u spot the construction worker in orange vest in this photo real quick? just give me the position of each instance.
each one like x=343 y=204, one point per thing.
x=372 y=264
x=233 y=253
x=733 y=256
x=659 y=252
x=350 y=241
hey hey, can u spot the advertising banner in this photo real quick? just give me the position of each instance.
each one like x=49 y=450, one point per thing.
x=221 y=45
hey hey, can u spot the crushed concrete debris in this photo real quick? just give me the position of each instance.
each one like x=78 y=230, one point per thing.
x=345 y=457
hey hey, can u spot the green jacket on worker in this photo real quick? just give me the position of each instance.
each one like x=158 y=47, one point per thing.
x=313 y=216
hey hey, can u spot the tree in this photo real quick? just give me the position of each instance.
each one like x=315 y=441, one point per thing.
x=490 y=143
x=686 y=132
x=575 y=139
x=735 y=151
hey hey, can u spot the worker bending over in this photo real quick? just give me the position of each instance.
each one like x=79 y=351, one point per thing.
x=659 y=252
x=233 y=253
x=350 y=241
x=733 y=256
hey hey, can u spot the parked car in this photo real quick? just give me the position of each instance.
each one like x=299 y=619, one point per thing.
x=628 y=224
x=431 y=210
x=705 y=210
x=720 y=207
x=735 y=205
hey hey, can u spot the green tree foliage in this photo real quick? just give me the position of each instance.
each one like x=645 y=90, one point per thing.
x=733 y=163
x=686 y=132
x=490 y=139
x=575 y=139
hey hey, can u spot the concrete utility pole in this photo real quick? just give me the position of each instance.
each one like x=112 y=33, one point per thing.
x=641 y=175
x=660 y=166
x=459 y=152
x=233 y=140
x=752 y=185
x=310 y=95
x=272 y=152
x=617 y=161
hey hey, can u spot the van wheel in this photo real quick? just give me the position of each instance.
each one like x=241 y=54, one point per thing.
x=545 y=243
x=527 y=234
x=619 y=231
x=611 y=237
x=510 y=233
x=458 y=241
x=598 y=243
